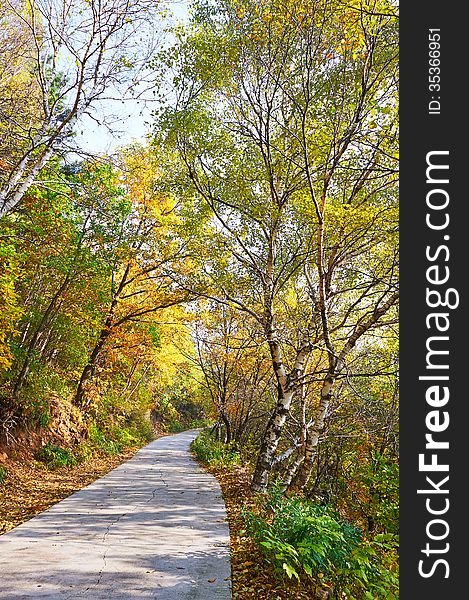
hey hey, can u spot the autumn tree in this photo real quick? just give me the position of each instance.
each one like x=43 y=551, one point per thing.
x=10 y=310
x=61 y=57
x=149 y=247
x=19 y=92
x=285 y=120
x=70 y=226
x=94 y=315
x=235 y=369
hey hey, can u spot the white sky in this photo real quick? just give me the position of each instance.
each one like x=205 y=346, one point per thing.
x=133 y=116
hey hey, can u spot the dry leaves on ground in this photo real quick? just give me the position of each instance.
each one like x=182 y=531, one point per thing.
x=29 y=487
x=252 y=576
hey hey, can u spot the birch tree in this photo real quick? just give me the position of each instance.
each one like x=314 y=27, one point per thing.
x=285 y=119
x=71 y=54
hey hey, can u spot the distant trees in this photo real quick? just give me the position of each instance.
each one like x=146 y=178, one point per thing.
x=234 y=370
x=94 y=316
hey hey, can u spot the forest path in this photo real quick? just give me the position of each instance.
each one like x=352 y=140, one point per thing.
x=154 y=527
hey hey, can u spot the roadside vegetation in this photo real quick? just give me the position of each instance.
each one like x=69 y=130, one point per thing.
x=294 y=547
x=237 y=268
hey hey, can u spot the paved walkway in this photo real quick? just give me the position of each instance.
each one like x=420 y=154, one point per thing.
x=154 y=527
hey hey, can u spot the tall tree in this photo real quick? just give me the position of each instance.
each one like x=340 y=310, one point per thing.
x=285 y=118
x=67 y=55
x=149 y=249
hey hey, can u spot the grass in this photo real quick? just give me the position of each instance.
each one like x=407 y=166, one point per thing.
x=213 y=452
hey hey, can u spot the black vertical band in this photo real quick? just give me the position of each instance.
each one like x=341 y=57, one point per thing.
x=434 y=255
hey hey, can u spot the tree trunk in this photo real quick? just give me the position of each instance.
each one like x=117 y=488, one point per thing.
x=336 y=366
x=286 y=386
x=270 y=441
x=227 y=424
x=273 y=431
x=295 y=464
x=14 y=190
x=45 y=320
x=90 y=368
x=313 y=435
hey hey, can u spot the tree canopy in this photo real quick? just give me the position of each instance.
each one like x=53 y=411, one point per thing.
x=239 y=265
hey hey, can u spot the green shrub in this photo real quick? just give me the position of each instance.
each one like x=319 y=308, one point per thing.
x=211 y=451
x=175 y=427
x=40 y=412
x=297 y=536
x=3 y=474
x=115 y=438
x=372 y=572
x=83 y=452
x=42 y=383
x=140 y=428
x=103 y=441
x=381 y=478
x=200 y=423
x=56 y=457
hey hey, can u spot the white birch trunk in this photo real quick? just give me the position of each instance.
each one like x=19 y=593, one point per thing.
x=314 y=433
x=287 y=385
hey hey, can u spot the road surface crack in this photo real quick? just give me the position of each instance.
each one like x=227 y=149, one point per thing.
x=106 y=533
x=76 y=593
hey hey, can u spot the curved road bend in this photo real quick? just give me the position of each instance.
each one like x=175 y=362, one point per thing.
x=154 y=527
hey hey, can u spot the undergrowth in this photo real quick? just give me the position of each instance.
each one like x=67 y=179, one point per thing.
x=310 y=542
x=214 y=452
x=302 y=539
x=3 y=474
x=56 y=457
x=108 y=441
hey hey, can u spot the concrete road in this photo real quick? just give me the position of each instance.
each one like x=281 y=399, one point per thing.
x=154 y=527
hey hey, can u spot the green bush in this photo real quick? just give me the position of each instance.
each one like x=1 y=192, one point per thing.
x=56 y=457
x=199 y=423
x=297 y=536
x=40 y=412
x=372 y=572
x=115 y=438
x=104 y=441
x=175 y=427
x=213 y=452
x=381 y=478
x=83 y=452
x=42 y=383
x=140 y=428
x=3 y=474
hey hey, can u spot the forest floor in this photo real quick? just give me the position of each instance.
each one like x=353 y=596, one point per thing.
x=29 y=487
x=252 y=576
